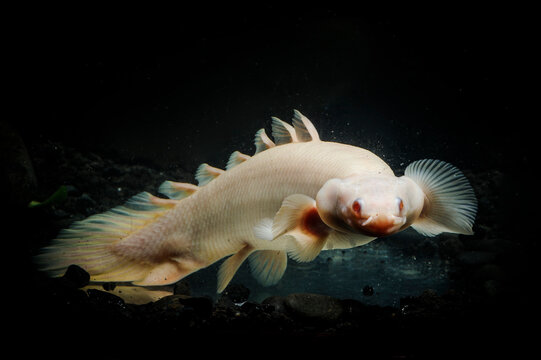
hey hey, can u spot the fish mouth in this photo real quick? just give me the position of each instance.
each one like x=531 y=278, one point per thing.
x=380 y=225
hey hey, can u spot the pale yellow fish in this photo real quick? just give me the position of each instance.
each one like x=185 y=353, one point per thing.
x=296 y=196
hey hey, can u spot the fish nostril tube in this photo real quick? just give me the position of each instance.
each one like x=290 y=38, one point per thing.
x=357 y=207
x=367 y=221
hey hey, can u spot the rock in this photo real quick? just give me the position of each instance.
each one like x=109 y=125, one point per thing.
x=199 y=306
x=64 y=291
x=307 y=306
x=425 y=306
x=314 y=306
x=252 y=309
x=277 y=302
x=76 y=276
x=109 y=286
x=105 y=298
x=202 y=306
x=234 y=294
x=168 y=303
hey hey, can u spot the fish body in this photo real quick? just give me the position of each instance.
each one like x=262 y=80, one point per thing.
x=294 y=198
x=233 y=203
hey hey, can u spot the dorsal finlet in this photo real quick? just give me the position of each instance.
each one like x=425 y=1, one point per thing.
x=262 y=141
x=236 y=158
x=176 y=190
x=304 y=128
x=282 y=132
x=206 y=173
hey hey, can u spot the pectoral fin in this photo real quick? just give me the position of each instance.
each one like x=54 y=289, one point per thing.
x=299 y=220
x=450 y=202
x=303 y=247
x=263 y=230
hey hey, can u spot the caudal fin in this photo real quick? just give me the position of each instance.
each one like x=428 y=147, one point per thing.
x=112 y=246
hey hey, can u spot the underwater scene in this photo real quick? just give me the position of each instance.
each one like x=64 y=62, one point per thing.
x=426 y=258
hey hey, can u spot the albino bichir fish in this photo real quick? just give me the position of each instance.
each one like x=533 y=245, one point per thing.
x=298 y=195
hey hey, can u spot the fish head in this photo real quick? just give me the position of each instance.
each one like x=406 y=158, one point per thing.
x=377 y=205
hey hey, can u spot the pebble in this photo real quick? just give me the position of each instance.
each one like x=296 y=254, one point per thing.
x=314 y=306
x=168 y=303
x=76 y=276
x=234 y=295
x=177 y=304
x=105 y=298
x=202 y=306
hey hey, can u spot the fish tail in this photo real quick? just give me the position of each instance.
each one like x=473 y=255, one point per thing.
x=124 y=244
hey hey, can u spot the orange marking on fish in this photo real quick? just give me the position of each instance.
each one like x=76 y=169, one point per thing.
x=313 y=225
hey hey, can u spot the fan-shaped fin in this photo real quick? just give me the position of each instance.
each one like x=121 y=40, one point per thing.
x=206 y=173
x=176 y=190
x=282 y=132
x=262 y=141
x=340 y=240
x=304 y=128
x=268 y=266
x=236 y=158
x=263 y=229
x=230 y=266
x=450 y=203
x=103 y=244
x=299 y=220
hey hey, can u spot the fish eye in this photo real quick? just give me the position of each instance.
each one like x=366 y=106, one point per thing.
x=356 y=206
x=400 y=204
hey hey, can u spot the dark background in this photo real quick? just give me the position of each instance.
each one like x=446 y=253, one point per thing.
x=175 y=87
x=181 y=86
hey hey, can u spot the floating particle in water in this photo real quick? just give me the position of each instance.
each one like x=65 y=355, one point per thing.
x=368 y=290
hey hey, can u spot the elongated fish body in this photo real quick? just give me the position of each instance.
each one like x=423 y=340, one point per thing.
x=230 y=206
x=295 y=197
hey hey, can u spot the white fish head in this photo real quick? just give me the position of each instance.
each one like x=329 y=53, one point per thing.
x=375 y=205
